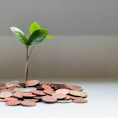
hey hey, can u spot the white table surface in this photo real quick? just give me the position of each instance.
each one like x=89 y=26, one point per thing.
x=102 y=103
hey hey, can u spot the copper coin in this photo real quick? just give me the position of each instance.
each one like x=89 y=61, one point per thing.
x=57 y=85
x=80 y=101
x=10 y=99
x=73 y=87
x=38 y=97
x=32 y=82
x=67 y=97
x=38 y=92
x=2 y=100
x=32 y=100
x=45 y=86
x=28 y=94
x=10 y=85
x=28 y=103
x=13 y=102
x=2 y=84
x=49 y=91
x=49 y=99
x=2 y=87
x=59 y=95
x=5 y=94
x=64 y=91
x=18 y=95
x=78 y=93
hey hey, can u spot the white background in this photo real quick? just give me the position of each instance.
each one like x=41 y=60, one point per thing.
x=102 y=103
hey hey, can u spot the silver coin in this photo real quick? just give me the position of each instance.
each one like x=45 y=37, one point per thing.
x=28 y=89
x=15 y=82
x=64 y=101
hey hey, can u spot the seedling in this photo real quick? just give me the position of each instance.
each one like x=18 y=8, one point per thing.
x=37 y=35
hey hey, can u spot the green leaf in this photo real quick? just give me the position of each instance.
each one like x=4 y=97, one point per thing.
x=37 y=36
x=19 y=34
x=33 y=27
x=49 y=37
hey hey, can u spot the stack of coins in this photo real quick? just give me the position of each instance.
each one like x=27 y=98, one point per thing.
x=16 y=93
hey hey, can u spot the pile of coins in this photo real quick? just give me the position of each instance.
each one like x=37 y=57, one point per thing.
x=30 y=93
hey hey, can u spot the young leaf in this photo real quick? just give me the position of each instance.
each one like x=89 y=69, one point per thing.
x=33 y=27
x=49 y=37
x=19 y=34
x=37 y=36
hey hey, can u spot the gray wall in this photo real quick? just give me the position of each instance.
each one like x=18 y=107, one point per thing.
x=64 y=56
x=86 y=42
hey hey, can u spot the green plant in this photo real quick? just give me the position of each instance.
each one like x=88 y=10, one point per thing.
x=37 y=35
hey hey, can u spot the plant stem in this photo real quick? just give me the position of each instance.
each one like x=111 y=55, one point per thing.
x=27 y=63
x=26 y=66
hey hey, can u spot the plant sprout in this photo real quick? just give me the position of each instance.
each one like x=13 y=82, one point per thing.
x=37 y=35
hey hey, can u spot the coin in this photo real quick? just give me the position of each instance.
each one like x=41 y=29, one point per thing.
x=78 y=93
x=32 y=82
x=80 y=101
x=5 y=94
x=2 y=84
x=13 y=102
x=64 y=91
x=45 y=86
x=38 y=92
x=73 y=87
x=2 y=100
x=49 y=91
x=28 y=94
x=49 y=99
x=57 y=85
x=10 y=85
x=64 y=101
x=18 y=95
x=67 y=97
x=15 y=82
x=28 y=89
x=32 y=100
x=10 y=99
x=59 y=95
x=28 y=103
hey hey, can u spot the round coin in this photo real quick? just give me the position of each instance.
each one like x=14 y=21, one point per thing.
x=2 y=84
x=45 y=86
x=2 y=100
x=73 y=87
x=32 y=100
x=63 y=91
x=28 y=94
x=38 y=92
x=49 y=91
x=5 y=94
x=10 y=99
x=64 y=101
x=32 y=82
x=80 y=101
x=15 y=82
x=9 y=85
x=18 y=95
x=78 y=93
x=13 y=102
x=59 y=95
x=49 y=99
x=28 y=89
x=28 y=103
